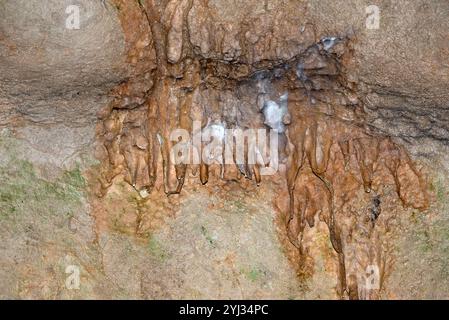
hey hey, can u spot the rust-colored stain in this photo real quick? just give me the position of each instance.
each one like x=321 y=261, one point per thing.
x=338 y=170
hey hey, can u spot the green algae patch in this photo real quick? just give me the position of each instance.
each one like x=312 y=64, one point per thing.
x=23 y=192
x=156 y=249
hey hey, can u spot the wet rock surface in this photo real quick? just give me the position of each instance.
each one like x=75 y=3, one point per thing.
x=358 y=113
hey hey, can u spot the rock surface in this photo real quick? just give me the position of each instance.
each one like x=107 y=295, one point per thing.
x=53 y=79
x=344 y=97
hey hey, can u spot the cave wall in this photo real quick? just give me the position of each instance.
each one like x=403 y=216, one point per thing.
x=406 y=98
x=350 y=104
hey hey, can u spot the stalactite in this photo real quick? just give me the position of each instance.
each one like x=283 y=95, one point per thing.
x=336 y=170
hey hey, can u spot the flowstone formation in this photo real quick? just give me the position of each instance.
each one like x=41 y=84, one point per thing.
x=223 y=73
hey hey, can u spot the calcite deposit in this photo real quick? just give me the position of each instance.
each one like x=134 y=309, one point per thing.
x=349 y=126
x=269 y=72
